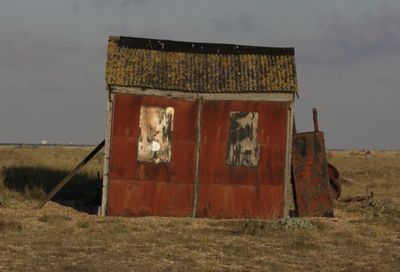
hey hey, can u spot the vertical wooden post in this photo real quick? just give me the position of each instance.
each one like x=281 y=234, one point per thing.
x=290 y=132
x=107 y=152
x=294 y=125
x=315 y=118
x=197 y=161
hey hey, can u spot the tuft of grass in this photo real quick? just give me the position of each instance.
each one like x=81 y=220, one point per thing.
x=253 y=227
x=294 y=223
x=54 y=218
x=302 y=243
x=76 y=268
x=34 y=193
x=3 y=199
x=118 y=228
x=10 y=226
x=83 y=224
x=9 y=198
x=257 y=227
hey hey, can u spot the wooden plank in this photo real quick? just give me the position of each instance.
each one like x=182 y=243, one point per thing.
x=107 y=153
x=198 y=148
x=273 y=96
x=71 y=174
x=288 y=164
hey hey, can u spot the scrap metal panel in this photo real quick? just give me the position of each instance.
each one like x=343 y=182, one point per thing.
x=310 y=175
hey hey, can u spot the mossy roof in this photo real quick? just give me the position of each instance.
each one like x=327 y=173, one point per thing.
x=199 y=67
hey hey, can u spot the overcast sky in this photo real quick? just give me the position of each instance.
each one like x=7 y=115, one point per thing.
x=53 y=53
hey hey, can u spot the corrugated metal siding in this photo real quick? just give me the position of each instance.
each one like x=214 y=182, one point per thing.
x=235 y=70
x=232 y=192
x=142 y=188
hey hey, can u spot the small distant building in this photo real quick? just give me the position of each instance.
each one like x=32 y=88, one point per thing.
x=197 y=129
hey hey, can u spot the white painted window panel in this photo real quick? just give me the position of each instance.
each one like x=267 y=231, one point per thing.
x=155 y=139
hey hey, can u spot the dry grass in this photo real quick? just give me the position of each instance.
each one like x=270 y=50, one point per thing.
x=364 y=236
x=31 y=172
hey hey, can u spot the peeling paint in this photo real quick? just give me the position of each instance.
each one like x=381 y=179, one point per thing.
x=243 y=149
x=155 y=138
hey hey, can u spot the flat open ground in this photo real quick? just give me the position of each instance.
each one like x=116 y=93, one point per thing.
x=64 y=236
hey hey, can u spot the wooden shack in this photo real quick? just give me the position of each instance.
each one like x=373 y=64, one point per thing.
x=197 y=129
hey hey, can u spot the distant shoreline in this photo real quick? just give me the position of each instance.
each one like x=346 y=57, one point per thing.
x=45 y=145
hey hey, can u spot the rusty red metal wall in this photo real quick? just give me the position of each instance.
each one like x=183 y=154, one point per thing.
x=231 y=192
x=140 y=188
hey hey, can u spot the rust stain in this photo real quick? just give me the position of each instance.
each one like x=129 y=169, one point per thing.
x=149 y=198
x=240 y=201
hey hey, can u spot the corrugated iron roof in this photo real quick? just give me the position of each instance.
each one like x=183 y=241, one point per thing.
x=199 y=67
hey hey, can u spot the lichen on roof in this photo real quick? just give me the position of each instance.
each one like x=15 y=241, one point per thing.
x=199 y=67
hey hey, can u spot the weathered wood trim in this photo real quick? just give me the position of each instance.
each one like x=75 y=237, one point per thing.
x=107 y=153
x=273 y=96
x=288 y=163
x=197 y=159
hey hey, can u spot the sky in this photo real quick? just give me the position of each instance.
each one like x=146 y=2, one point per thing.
x=53 y=54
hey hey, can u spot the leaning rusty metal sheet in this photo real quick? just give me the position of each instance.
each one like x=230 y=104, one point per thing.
x=138 y=188
x=310 y=175
x=238 y=191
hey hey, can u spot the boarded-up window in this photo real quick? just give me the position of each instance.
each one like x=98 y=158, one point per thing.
x=155 y=134
x=243 y=149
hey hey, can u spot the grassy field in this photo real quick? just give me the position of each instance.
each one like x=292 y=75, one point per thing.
x=66 y=235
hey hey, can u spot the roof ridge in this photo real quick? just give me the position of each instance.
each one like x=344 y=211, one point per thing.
x=198 y=47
